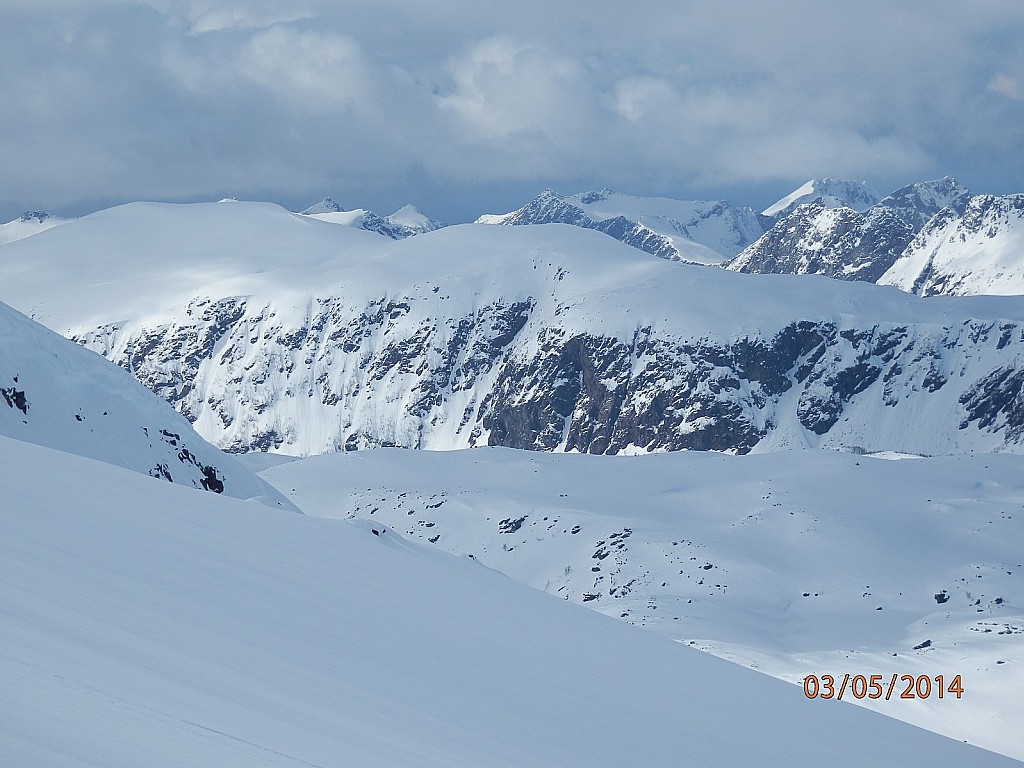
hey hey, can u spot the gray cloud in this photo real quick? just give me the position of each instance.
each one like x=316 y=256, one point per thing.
x=460 y=107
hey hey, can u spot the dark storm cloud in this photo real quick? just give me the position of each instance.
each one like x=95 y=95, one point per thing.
x=460 y=106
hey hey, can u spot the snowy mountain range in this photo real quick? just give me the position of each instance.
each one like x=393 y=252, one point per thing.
x=931 y=238
x=830 y=193
x=273 y=331
x=693 y=231
x=829 y=235
x=405 y=222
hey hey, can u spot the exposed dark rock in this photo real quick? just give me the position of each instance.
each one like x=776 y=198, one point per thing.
x=15 y=398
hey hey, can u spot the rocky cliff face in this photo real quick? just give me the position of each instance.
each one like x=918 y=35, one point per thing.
x=835 y=242
x=388 y=374
x=824 y=235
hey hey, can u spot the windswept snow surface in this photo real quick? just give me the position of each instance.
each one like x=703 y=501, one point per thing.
x=793 y=563
x=28 y=224
x=54 y=393
x=168 y=628
x=144 y=260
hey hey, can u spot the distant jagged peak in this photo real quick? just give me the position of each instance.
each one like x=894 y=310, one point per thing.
x=38 y=216
x=588 y=198
x=327 y=205
x=697 y=231
x=405 y=222
x=917 y=203
x=833 y=193
x=837 y=242
x=411 y=218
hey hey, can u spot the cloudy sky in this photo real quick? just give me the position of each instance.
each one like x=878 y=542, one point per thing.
x=468 y=107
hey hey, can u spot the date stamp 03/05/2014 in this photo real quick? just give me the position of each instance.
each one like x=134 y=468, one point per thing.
x=882 y=687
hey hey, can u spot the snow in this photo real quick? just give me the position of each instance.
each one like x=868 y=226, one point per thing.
x=75 y=401
x=149 y=625
x=792 y=563
x=804 y=192
x=147 y=274
x=351 y=218
x=28 y=224
x=833 y=193
x=145 y=260
x=148 y=261
x=411 y=218
x=979 y=252
x=702 y=232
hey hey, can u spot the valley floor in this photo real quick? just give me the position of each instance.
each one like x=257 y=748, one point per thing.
x=792 y=563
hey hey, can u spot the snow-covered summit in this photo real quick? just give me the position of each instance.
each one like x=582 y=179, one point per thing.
x=413 y=220
x=28 y=224
x=405 y=222
x=837 y=242
x=696 y=231
x=832 y=193
x=917 y=203
x=824 y=237
x=275 y=331
x=327 y=205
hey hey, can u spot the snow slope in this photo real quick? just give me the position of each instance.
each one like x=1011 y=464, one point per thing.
x=793 y=563
x=413 y=220
x=56 y=394
x=28 y=224
x=170 y=628
x=978 y=251
x=274 y=331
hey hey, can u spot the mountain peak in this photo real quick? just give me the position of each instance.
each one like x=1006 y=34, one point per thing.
x=327 y=205
x=917 y=203
x=832 y=193
x=413 y=220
